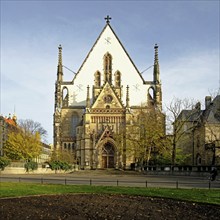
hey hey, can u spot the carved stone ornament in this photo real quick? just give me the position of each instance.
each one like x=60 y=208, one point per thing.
x=108 y=98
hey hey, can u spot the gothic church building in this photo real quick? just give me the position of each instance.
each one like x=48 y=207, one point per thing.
x=104 y=96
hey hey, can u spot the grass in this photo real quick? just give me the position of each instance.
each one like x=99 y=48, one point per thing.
x=211 y=196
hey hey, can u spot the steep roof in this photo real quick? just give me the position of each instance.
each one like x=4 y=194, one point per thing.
x=210 y=114
x=108 y=25
x=10 y=121
x=190 y=115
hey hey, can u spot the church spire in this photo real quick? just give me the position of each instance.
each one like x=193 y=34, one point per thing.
x=156 y=65
x=60 y=65
x=158 y=92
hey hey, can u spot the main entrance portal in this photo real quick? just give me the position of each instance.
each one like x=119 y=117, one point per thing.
x=108 y=155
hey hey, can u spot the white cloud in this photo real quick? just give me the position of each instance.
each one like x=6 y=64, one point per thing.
x=192 y=75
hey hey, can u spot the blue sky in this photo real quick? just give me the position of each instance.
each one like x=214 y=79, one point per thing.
x=187 y=33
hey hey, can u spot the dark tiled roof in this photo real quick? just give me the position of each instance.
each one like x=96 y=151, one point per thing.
x=211 y=114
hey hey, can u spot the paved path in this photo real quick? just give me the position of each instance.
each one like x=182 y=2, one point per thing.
x=114 y=178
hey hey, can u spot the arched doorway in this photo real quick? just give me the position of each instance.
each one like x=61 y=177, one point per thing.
x=108 y=154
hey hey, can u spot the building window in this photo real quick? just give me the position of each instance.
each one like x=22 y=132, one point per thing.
x=97 y=79
x=117 y=79
x=108 y=67
x=65 y=96
x=75 y=121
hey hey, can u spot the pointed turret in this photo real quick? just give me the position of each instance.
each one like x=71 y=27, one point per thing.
x=58 y=95
x=58 y=101
x=87 y=98
x=157 y=82
x=156 y=66
x=60 y=65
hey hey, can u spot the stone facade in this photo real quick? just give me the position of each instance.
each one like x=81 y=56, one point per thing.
x=201 y=138
x=101 y=102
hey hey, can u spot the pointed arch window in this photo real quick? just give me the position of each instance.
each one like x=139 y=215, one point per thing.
x=74 y=123
x=97 y=78
x=108 y=67
x=64 y=145
x=65 y=97
x=117 y=78
x=151 y=96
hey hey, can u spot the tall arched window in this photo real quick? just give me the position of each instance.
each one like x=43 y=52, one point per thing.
x=65 y=96
x=107 y=67
x=97 y=79
x=73 y=146
x=117 y=79
x=151 y=96
x=75 y=121
x=151 y=92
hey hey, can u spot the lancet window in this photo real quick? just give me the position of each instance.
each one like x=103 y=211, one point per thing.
x=117 y=79
x=108 y=67
x=97 y=79
x=65 y=97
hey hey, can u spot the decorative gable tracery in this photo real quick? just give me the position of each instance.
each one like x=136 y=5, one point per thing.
x=107 y=97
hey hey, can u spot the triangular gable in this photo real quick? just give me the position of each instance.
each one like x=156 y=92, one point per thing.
x=101 y=101
x=127 y=53
x=107 y=133
x=212 y=117
x=108 y=25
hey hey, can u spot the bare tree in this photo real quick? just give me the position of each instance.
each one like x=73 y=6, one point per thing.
x=145 y=136
x=32 y=127
x=179 y=114
x=25 y=141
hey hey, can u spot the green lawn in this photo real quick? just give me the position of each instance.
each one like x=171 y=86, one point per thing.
x=211 y=196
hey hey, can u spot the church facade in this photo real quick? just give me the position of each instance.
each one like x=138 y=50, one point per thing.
x=101 y=102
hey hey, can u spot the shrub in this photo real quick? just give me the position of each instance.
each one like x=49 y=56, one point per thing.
x=4 y=162
x=59 y=165
x=30 y=165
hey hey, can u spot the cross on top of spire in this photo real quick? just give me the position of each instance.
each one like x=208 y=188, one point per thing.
x=108 y=18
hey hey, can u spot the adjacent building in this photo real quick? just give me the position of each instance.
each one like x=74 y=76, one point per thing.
x=7 y=124
x=201 y=133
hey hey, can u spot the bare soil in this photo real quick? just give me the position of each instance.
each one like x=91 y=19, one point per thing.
x=95 y=206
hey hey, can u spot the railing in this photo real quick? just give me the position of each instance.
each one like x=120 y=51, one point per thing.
x=180 y=168
x=205 y=184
